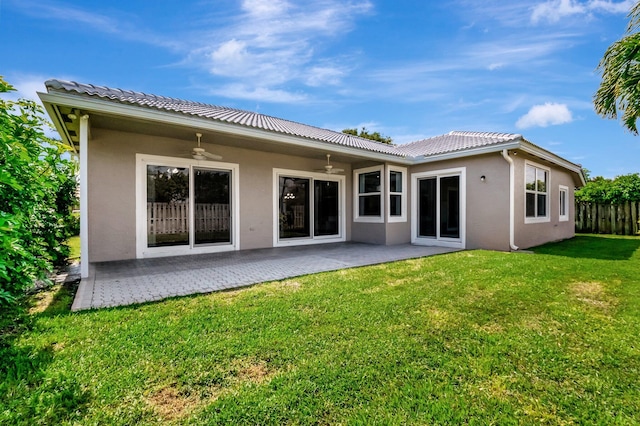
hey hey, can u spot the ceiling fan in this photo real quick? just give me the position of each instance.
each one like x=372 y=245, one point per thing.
x=200 y=153
x=329 y=169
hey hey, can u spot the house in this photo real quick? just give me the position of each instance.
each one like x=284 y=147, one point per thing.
x=162 y=176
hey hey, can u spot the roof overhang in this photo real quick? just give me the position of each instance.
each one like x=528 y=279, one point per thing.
x=54 y=101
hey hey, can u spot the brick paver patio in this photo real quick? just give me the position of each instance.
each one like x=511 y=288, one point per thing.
x=144 y=280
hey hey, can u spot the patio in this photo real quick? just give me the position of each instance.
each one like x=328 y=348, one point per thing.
x=145 y=280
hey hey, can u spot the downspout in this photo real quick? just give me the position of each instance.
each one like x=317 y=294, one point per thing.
x=512 y=207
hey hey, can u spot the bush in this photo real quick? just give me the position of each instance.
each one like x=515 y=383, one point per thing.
x=37 y=192
x=611 y=191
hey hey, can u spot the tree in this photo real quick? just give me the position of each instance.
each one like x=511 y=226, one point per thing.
x=37 y=192
x=611 y=191
x=364 y=133
x=619 y=89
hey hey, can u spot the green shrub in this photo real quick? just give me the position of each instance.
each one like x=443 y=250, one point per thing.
x=37 y=192
x=611 y=191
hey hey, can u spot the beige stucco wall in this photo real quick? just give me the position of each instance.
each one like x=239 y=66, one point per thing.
x=112 y=203
x=533 y=234
x=487 y=221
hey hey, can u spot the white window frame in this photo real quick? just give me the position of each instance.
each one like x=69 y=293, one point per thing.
x=537 y=219
x=142 y=251
x=437 y=240
x=563 y=217
x=356 y=195
x=402 y=194
x=342 y=224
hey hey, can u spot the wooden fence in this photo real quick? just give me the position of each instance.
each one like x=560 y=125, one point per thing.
x=173 y=218
x=619 y=219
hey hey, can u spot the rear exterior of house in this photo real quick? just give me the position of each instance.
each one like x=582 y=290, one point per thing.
x=143 y=194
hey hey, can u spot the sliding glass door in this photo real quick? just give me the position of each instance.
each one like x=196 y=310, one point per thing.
x=294 y=207
x=167 y=206
x=326 y=208
x=309 y=208
x=185 y=207
x=439 y=213
x=212 y=197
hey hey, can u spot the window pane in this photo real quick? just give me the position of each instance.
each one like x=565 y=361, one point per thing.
x=450 y=207
x=212 y=218
x=542 y=205
x=531 y=205
x=427 y=207
x=294 y=207
x=325 y=208
x=542 y=180
x=369 y=205
x=167 y=206
x=369 y=182
x=530 y=178
x=395 y=205
x=563 y=205
x=395 y=181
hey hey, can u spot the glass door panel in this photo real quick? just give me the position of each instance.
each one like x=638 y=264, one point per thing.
x=450 y=207
x=212 y=209
x=325 y=208
x=427 y=207
x=167 y=206
x=294 y=207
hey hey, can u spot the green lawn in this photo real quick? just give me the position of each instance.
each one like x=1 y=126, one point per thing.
x=74 y=248
x=473 y=337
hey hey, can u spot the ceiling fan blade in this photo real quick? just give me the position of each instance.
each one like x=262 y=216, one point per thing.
x=211 y=156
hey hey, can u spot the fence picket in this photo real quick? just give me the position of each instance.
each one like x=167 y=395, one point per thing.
x=173 y=218
x=620 y=219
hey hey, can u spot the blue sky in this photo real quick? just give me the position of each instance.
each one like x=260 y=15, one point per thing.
x=408 y=69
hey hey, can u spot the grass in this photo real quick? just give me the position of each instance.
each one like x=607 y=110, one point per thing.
x=74 y=248
x=474 y=337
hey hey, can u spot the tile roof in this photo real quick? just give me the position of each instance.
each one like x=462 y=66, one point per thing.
x=222 y=114
x=456 y=141
x=450 y=142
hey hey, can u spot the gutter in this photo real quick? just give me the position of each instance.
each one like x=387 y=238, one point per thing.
x=512 y=207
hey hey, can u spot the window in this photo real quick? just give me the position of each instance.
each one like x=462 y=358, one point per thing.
x=536 y=194
x=564 y=203
x=369 y=204
x=397 y=191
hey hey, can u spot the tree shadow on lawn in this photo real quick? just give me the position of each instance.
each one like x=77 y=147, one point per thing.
x=593 y=247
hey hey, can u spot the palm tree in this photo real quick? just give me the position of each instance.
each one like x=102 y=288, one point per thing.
x=620 y=86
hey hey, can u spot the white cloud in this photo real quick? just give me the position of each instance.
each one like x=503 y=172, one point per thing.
x=265 y=7
x=324 y=75
x=275 y=42
x=27 y=87
x=611 y=7
x=96 y=21
x=265 y=94
x=555 y=10
x=549 y=114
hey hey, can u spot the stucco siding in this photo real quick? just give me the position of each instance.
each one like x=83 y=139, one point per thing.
x=112 y=189
x=533 y=234
x=371 y=233
x=487 y=203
